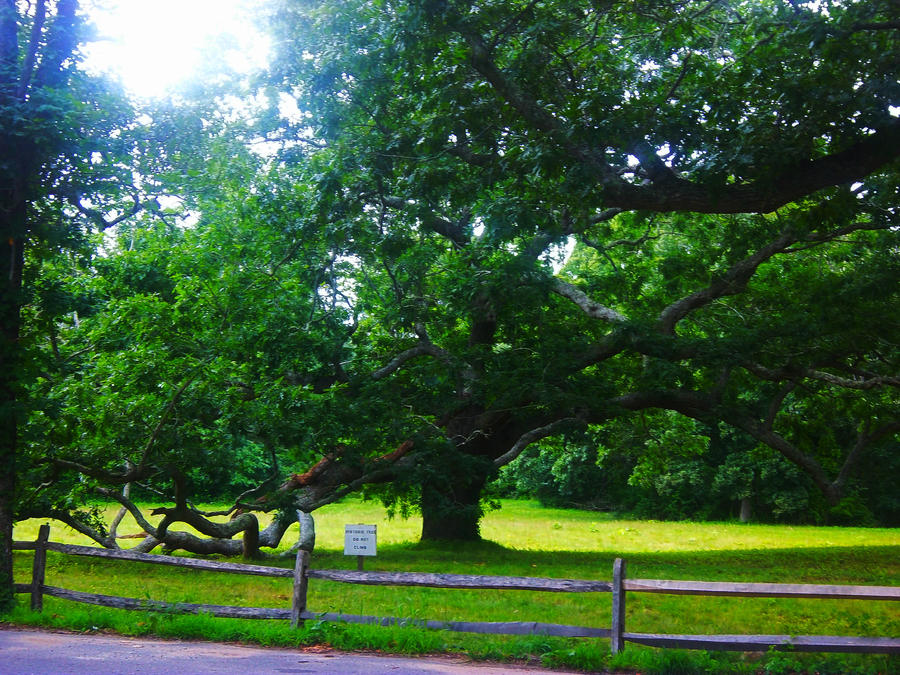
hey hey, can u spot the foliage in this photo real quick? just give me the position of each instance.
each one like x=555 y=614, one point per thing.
x=623 y=468
x=68 y=142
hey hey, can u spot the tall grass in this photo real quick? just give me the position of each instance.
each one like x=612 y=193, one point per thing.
x=521 y=539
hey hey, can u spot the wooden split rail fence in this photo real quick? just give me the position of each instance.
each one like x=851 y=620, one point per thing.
x=302 y=573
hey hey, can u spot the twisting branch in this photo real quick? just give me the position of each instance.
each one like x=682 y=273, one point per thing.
x=421 y=349
x=794 y=373
x=707 y=409
x=528 y=109
x=99 y=218
x=863 y=384
x=667 y=191
x=105 y=540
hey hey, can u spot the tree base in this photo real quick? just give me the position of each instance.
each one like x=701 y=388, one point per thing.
x=452 y=510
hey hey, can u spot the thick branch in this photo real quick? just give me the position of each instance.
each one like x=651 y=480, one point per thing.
x=856 y=383
x=9 y=47
x=529 y=110
x=62 y=42
x=102 y=538
x=98 y=217
x=454 y=231
x=245 y=523
x=704 y=408
x=667 y=191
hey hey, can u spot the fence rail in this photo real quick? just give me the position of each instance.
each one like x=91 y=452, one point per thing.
x=619 y=587
x=762 y=590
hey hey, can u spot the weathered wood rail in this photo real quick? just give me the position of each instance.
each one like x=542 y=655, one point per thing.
x=620 y=585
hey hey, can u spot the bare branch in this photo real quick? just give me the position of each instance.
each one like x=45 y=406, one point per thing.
x=593 y=309
x=532 y=436
x=421 y=349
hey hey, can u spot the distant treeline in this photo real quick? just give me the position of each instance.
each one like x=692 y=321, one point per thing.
x=711 y=478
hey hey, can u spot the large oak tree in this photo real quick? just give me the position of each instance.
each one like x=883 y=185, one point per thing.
x=732 y=164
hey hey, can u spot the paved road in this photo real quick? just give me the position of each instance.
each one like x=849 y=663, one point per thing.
x=32 y=652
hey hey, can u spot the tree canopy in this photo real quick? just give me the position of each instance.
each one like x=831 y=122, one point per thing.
x=484 y=225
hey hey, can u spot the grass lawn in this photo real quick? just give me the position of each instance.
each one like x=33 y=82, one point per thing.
x=522 y=539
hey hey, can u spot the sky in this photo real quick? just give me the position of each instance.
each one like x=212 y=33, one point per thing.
x=154 y=46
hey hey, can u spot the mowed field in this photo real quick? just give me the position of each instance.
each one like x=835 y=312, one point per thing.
x=523 y=539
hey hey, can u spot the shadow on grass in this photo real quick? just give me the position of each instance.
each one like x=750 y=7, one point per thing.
x=873 y=565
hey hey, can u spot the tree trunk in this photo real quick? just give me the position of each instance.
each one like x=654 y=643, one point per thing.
x=746 y=510
x=10 y=367
x=7 y=486
x=451 y=508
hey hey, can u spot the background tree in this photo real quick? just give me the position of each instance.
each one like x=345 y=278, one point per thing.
x=61 y=167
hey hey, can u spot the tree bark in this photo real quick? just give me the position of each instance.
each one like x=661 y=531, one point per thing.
x=10 y=212
x=746 y=510
x=12 y=225
x=11 y=262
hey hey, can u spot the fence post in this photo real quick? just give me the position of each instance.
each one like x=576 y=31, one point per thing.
x=617 y=640
x=38 y=567
x=301 y=581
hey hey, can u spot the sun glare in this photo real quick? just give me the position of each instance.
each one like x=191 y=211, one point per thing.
x=156 y=46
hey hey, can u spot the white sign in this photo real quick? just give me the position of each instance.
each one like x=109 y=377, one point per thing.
x=359 y=540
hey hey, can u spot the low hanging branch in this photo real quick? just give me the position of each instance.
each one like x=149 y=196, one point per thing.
x=326 y=481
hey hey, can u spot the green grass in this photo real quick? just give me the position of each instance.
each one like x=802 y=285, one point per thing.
x=521 y=539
